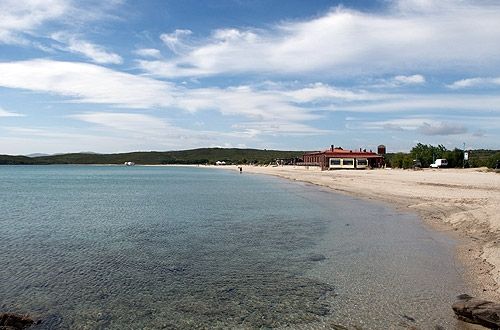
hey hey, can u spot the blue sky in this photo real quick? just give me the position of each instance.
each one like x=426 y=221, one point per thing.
x=116 y=76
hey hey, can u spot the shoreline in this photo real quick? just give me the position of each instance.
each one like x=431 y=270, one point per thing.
x=465 y=203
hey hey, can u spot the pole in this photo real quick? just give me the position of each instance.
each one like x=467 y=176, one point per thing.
x=463 y=161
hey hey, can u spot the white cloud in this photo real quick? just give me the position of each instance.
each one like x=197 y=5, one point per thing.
x=245 y=101
x=474 y=82
x=322 y=92
x=436 y=103
x=174 y=40
x=277 y=128
x=410 y=35
x=95 y=52
x=85 y=83
x=398 y=124
x=399 y=81
x=410 y=80
x=423 y=125
x=5 y=113
x=77 y=81
x=148 y=52
x=442 y=128
x=19 y=17
x=266 y=108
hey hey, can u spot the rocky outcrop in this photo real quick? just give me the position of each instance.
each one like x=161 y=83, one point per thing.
x=9 y=321
x=478 y=311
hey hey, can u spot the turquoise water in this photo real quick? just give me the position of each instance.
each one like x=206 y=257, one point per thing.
x=109 y=247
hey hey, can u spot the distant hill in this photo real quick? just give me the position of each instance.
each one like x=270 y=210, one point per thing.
x=194 y=156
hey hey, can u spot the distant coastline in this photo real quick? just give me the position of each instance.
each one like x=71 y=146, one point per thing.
x=188 y=157
x=212 y=156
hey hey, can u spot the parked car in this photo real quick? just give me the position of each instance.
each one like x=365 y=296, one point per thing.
x=441 y=162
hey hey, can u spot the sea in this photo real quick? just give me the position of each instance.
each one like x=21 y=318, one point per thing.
x=144 y=247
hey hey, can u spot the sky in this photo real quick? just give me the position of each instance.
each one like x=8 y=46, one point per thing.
x=118 y=75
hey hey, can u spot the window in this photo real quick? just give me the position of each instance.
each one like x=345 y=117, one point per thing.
x=362 y=162
x=335 y=161
x=348 y=162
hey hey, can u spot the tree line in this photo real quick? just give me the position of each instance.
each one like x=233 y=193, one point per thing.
x=426 y=154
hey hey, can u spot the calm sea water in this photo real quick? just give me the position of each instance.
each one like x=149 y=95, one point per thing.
x=109 y=247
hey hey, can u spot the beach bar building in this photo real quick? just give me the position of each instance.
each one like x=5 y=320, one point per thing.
x=338 y=158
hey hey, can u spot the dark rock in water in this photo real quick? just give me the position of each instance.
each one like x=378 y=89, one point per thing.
x=478 y=311
x=316 y=257
x=9 y=321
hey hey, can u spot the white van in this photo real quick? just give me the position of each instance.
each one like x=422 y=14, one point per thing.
x=441 y=162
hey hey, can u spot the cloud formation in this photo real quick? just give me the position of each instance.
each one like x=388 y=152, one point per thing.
x=475 y=82
x=268 y=102
x=174 y=40
x=85 y=83
x=415 y=79
x=20 y=17
x=88 y=49
x=424 y=125
x=5 y=113
x=442 y=129
x=409 y=35
x=148 y=52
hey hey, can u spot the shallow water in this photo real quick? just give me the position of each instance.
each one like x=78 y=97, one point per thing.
x=87 y=247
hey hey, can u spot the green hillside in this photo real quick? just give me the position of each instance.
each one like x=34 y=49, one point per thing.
x=194 y=156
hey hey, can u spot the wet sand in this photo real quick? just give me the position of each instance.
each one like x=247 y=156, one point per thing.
x=465 y=202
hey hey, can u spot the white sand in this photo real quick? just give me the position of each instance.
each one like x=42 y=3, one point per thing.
x=466 y=201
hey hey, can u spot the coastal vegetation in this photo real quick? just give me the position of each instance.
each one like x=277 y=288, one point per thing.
x=193 y=156
x=426 y=154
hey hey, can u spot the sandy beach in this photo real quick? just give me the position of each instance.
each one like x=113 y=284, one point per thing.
x=465 y=202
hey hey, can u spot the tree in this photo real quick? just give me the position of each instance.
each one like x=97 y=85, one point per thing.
x=428 y=153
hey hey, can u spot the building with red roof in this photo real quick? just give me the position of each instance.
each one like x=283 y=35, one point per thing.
x=338 y=158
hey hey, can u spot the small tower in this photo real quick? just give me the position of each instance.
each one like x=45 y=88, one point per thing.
x=381 y=149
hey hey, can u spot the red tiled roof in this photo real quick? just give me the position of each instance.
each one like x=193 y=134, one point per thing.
x=341 y=153
x=354 y=155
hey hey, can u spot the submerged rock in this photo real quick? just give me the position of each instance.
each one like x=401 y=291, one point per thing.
x=316 y=257
x=478 y=311
x=9 y=321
